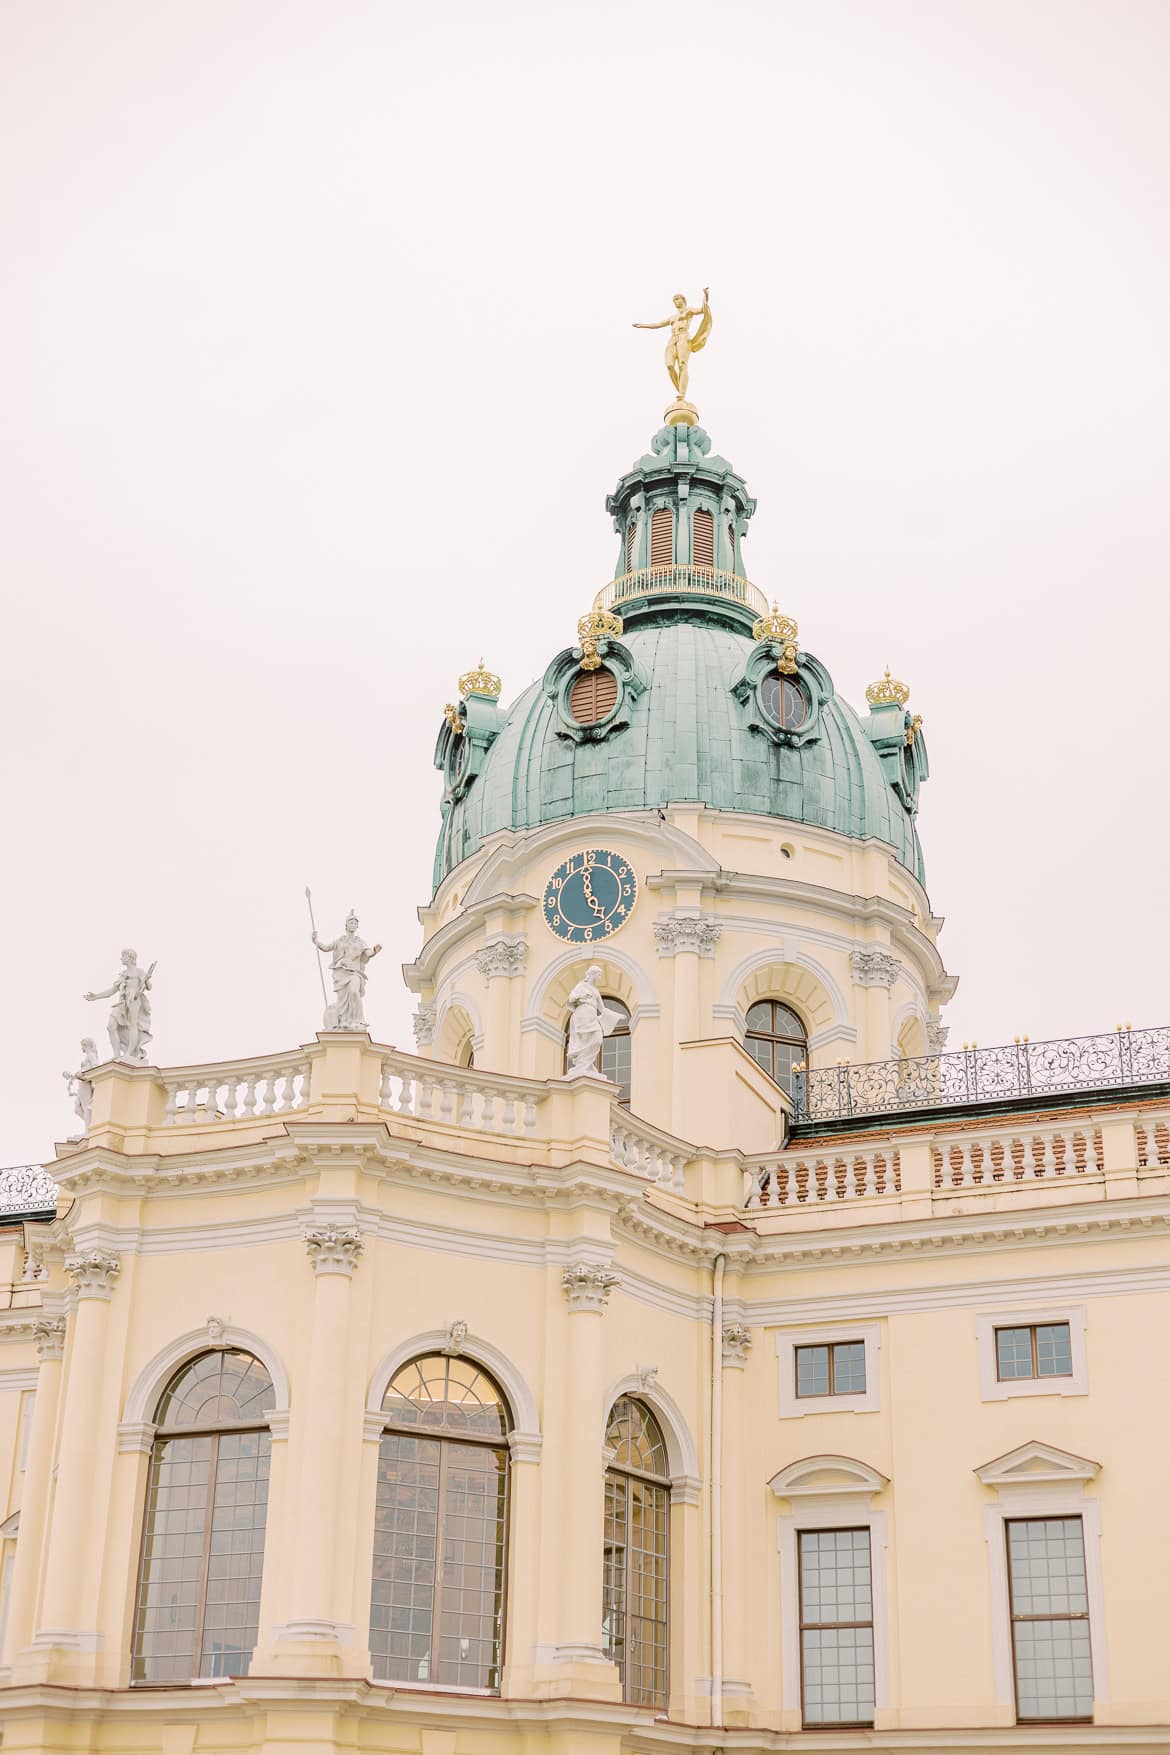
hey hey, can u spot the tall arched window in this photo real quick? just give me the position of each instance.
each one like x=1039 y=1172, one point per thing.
x=776 y=1040
x=703 y=539
x=616 y=1050
x=206 y=1503
x=635 y=1578
x=662 y=537
x=437 y=1602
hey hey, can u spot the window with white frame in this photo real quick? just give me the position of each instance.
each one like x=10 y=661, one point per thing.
x=834 y=1646
x=836 y=1627
x=1049 y=1597
x=1031 y=1352
x=829 y=1370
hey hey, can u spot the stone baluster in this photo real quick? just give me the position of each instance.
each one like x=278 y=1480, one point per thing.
x=446 y=1101
x=406 y=1094
x=466 y=1104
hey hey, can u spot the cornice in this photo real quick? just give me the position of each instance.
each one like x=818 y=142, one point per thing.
x=467 y=924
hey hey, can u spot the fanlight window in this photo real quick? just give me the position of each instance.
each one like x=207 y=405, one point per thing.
x=206 y=1503
x=776 y=1040
x=635 y=1575
x=437 y=1602
x=616 y=1050
x=593 y=695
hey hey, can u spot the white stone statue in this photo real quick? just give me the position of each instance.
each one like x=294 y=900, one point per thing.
x=78 y=1086
x=590 y=1022
x=129 y=1020
x=349 y=955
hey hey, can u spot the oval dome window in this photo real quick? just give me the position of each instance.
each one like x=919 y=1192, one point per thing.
x=784 y=701
x=593 y=696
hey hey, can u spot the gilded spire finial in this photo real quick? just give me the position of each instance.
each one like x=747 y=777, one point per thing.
x=679 y=348
x=888 y=692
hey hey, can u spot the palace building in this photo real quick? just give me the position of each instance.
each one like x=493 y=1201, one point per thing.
x=790 y=1380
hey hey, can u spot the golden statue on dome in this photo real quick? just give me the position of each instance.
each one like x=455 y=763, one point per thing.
x=679 y=348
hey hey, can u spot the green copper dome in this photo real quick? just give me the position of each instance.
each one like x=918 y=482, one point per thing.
x=696 y=699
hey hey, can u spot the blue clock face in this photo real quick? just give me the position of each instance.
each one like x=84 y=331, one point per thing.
x=590 y=896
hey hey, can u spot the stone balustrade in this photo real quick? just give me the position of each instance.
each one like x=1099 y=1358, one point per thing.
x=239 y=1090
x=636 y=1146
x=1022 y=1162
x=458 y=1097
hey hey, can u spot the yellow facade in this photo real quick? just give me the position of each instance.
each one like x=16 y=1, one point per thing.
x=342 y=1208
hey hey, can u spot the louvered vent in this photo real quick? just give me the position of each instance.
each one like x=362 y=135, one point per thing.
x=593 y=696
x=631 y=541
x=731 y=545
x=662 y=538
x=704 y=539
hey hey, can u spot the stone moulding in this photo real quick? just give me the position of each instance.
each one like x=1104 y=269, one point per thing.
x=333 y=1249
x=588 y=1286
x=506 y=955
x=873 y=968
x=92 y=1272
x=686 y=932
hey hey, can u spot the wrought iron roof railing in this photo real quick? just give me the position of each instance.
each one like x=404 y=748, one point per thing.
x=27 y=1191
x=983 y=1075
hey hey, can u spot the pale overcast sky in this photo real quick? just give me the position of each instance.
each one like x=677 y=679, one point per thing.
x=318 y=366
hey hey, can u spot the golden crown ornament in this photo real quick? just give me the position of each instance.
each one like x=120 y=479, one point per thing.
x=593 y=632
x=480 y=682
x=888 y=692
x=780 y=630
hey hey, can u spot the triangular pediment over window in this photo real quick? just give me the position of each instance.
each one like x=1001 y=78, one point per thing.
x=1041 y=1464
x=826 y=1474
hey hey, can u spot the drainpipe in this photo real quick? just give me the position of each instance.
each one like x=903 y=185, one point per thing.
x=717 y=1493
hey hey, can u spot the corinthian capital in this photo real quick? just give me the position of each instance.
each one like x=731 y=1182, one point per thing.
x=93 y=1272
x=49 y=1336
x=587 y=1286
x=333 y=1249
x=736 y=1340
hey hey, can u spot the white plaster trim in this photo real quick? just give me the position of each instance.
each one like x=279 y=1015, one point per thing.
x=849 y=1306
x=868 y=1401
x=827 y=1477
x=832 y=1033
x=578 y=956
x=154 y=1376
x=850 y=1511
x=18 y=1378
x=993 y=1389
x=783 y=952
x=136 y=1436
x=510 y=1378
x=681 y=1452
x=317 y=1631
x=10 y=1528
x=1037 y=1464
x=1044 y=1501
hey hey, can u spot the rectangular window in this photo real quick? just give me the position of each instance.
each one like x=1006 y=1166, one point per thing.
x=1050 y=1618
x=836 y=1627
x=1039 y=1350
x=836 y=1369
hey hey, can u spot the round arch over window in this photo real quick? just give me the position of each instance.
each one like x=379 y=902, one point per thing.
x=440 y=1528
x=635 y=1565
x=776 y=1039
x=198 y=1605
x=616 y=1061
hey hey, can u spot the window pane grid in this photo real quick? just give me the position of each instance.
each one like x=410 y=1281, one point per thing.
x=1050 y=1618
x=1035 y=1350
x=198 y=1606
x=836 y=1627
x=776 y=1040
x=440 y=1530
x=837 y=1368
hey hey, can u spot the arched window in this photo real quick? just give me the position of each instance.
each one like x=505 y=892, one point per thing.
x=662 y=537
x=703 y=539
x=206 y=1503
x=437 y=1602
x=631 y=539
x=616 y=1058
x=776 y=1040
x=637 y=1544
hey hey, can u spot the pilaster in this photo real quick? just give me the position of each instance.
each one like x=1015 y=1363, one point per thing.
x=49 y=1335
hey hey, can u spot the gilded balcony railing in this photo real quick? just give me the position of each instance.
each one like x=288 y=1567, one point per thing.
x=687 y=581
x=1014 y=1071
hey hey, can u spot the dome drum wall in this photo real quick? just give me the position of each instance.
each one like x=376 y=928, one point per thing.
x=731 y=908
